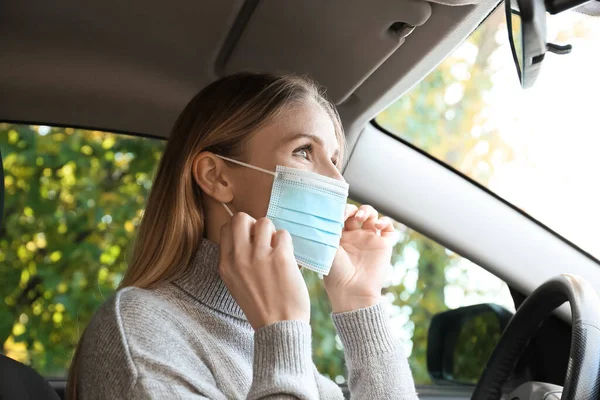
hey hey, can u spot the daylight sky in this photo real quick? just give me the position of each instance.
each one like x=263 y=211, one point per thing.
x=554 y=129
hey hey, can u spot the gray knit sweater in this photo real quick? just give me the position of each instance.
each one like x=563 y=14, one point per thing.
x=190 y=340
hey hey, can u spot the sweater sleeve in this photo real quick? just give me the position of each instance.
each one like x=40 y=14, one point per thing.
x=377 y=365
x=283 y=367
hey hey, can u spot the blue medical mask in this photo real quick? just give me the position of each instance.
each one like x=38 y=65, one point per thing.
x=311 y=208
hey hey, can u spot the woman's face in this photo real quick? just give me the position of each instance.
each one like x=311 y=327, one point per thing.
x=302 y=138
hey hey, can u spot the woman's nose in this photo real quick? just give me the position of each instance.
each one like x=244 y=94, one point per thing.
x=332 y=171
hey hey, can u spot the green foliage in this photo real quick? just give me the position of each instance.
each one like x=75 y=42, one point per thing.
x=428 y=297
x=327 y=349
x=445 y=113
x=73 y=199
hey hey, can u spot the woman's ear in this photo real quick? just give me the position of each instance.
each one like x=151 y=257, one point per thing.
x=210 y=173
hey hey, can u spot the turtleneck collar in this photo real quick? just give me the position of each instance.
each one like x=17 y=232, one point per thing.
x=203 y=283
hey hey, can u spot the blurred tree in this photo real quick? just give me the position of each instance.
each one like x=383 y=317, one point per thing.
x=73 y=200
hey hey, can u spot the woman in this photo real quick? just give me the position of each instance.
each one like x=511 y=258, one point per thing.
x=213 y=305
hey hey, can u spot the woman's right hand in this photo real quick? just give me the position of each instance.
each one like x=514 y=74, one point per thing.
x=258 y=267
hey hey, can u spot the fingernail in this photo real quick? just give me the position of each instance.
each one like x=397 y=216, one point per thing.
x=360 y=214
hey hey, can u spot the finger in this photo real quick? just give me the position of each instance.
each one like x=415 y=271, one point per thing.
x=351 y=209
x=385 y=224
x=263 y=234
x=359 y=217
x=352 y=224
x=241 y=227
x=388 y=230
x=364 y=212
x=368 y=216
x=282 y=239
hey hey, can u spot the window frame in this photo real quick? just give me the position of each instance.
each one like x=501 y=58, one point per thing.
x=545 y=227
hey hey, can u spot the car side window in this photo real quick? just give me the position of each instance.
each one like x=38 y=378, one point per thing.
x=426 y=279
x=73 y=200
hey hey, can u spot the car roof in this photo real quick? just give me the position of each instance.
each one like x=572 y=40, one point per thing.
x=131 y=67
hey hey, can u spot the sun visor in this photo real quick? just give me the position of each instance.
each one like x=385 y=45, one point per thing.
x=285 y=36
x=591 y=8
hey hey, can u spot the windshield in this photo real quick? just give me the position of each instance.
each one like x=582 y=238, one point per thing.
x=539 y=148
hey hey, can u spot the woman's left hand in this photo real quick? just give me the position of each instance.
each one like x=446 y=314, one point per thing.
x=359 y=268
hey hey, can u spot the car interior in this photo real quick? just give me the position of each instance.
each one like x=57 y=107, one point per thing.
x=130 y=68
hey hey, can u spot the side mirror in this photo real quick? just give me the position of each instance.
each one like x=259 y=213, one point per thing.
x=461 y=341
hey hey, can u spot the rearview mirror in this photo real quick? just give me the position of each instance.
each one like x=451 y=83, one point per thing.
x=526 y=23
x=461 y=341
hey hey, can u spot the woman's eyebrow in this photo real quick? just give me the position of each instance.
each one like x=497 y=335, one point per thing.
x=297 y=136
x=314 y=138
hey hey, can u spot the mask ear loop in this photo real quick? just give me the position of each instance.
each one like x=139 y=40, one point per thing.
x=228 y=209
x=243 y=164
x=266 y=171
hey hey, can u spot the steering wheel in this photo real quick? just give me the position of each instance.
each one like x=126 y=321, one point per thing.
x=583 y=374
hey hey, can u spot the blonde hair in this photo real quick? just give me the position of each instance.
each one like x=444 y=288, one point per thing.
x=220 y=119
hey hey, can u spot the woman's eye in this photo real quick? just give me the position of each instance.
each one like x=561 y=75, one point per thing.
x=303 y=152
